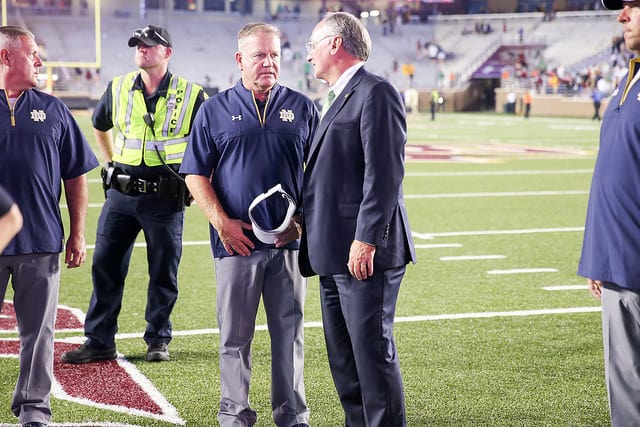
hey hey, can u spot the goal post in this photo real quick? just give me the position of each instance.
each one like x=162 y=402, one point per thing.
x=95 y=63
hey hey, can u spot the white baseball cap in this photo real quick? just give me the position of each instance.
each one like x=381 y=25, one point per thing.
x=268 y=236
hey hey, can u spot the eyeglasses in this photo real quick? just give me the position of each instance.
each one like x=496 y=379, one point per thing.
x=152 y=34
x=312 y=46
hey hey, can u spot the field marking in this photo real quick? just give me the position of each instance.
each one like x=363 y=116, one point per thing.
x=400 y=319
x=430 y=236
x=437 y=245
x=523 y=271
x=503 y=173
x=423 y=236
x=497 y=194
x=470 y=257
x=565 y=288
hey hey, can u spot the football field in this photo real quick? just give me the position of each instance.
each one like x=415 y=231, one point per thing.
x=493 y=326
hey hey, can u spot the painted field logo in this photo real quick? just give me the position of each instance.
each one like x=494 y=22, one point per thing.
x=115 y=385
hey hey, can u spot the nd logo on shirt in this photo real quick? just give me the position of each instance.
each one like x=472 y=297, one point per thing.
x=287 y=115
x=38 y=115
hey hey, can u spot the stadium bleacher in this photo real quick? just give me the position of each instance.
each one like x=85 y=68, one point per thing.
x=205 y=44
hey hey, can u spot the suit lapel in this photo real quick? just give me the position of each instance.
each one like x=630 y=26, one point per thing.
x=338 y=104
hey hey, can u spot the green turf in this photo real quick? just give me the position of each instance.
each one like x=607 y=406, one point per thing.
x=537 y=370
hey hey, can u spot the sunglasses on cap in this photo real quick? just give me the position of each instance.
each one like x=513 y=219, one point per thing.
x=152 y=34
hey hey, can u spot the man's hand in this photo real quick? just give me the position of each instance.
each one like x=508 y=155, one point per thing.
x=361 y=259
x=293 y=232
x=75 y=251
x=233 y=238
x=595 y=288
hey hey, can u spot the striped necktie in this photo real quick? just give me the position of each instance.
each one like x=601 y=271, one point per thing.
x=331 y=96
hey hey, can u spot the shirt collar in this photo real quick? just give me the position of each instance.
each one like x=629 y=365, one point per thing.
x=342 y=81
x=162 y=88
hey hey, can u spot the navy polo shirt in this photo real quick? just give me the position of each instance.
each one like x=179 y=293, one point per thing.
x=43 y=148
x=611 y=246
x=250 y=149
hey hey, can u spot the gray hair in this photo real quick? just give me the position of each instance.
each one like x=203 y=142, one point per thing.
x=10 y=36
x=255 y=28
x=355 y=37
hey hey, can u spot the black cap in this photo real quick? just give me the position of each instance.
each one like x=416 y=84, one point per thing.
x=150 y=36
x=613 y=4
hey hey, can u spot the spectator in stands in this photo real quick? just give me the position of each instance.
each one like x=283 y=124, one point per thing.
x=151 y=111
x=434 y=103
x=245 y=172
x=527 y=100
x=10 y=219
x=512 y=97
x=610 y=249
x=596 y=96
x=43 y=150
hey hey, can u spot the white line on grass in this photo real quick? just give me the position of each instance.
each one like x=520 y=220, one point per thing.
x=523 y=271
x=565 y=288
x=438 y=245
x=453 y=195
x=426 y=236
x=429 y=236
x=470 y=257
x=406 y=319
x=496 y=194
x=501 y=173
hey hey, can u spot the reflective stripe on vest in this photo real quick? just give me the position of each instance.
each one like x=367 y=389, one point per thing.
x=136 y=142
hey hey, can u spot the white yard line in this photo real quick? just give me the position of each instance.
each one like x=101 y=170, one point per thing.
x=523 y=271
x=470 y=257
x=502 y=173
x=497 y=194
x=565 y=288
x=401 y=319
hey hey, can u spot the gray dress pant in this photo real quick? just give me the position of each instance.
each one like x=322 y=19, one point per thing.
x=35 y=280
x=621 y=336
x=240 y=282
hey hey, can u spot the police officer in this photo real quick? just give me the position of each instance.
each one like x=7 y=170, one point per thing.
x=150 y=111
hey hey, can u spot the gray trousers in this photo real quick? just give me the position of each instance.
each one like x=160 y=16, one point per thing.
x=621 y=336
x=35 y=280
x=241 y=281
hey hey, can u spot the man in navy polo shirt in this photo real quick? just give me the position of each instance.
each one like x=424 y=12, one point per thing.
x=611 y=249
x=41 y=147
x=247 y=141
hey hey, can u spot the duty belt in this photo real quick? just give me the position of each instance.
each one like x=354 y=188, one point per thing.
x=162 y=186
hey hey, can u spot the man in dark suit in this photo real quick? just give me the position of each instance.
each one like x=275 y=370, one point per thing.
x=356 y=233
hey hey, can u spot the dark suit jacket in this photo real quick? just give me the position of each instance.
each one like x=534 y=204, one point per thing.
x=353 y=180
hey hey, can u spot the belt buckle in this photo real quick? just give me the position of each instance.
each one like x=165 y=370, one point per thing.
x=141 y=185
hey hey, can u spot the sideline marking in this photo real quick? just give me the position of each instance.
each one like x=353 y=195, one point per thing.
x=496 y=194
x=437 y=245
x=470 y=257
x=423 y=236
x=430 y=236
x=565 y=287
x=405 y=319
x=523 y=270
x=502 y=173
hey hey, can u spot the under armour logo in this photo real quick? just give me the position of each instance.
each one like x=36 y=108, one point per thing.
x=287 y=115
x=38 y=115
x=238 y=117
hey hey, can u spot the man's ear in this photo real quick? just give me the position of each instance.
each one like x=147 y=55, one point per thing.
x=4 y=56
x=239 y=60
x=336 y=43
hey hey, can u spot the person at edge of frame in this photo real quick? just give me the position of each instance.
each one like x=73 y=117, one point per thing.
x=610 y=250
x=43 y=150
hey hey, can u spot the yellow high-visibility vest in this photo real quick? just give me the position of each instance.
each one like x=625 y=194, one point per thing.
x=137 y=141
